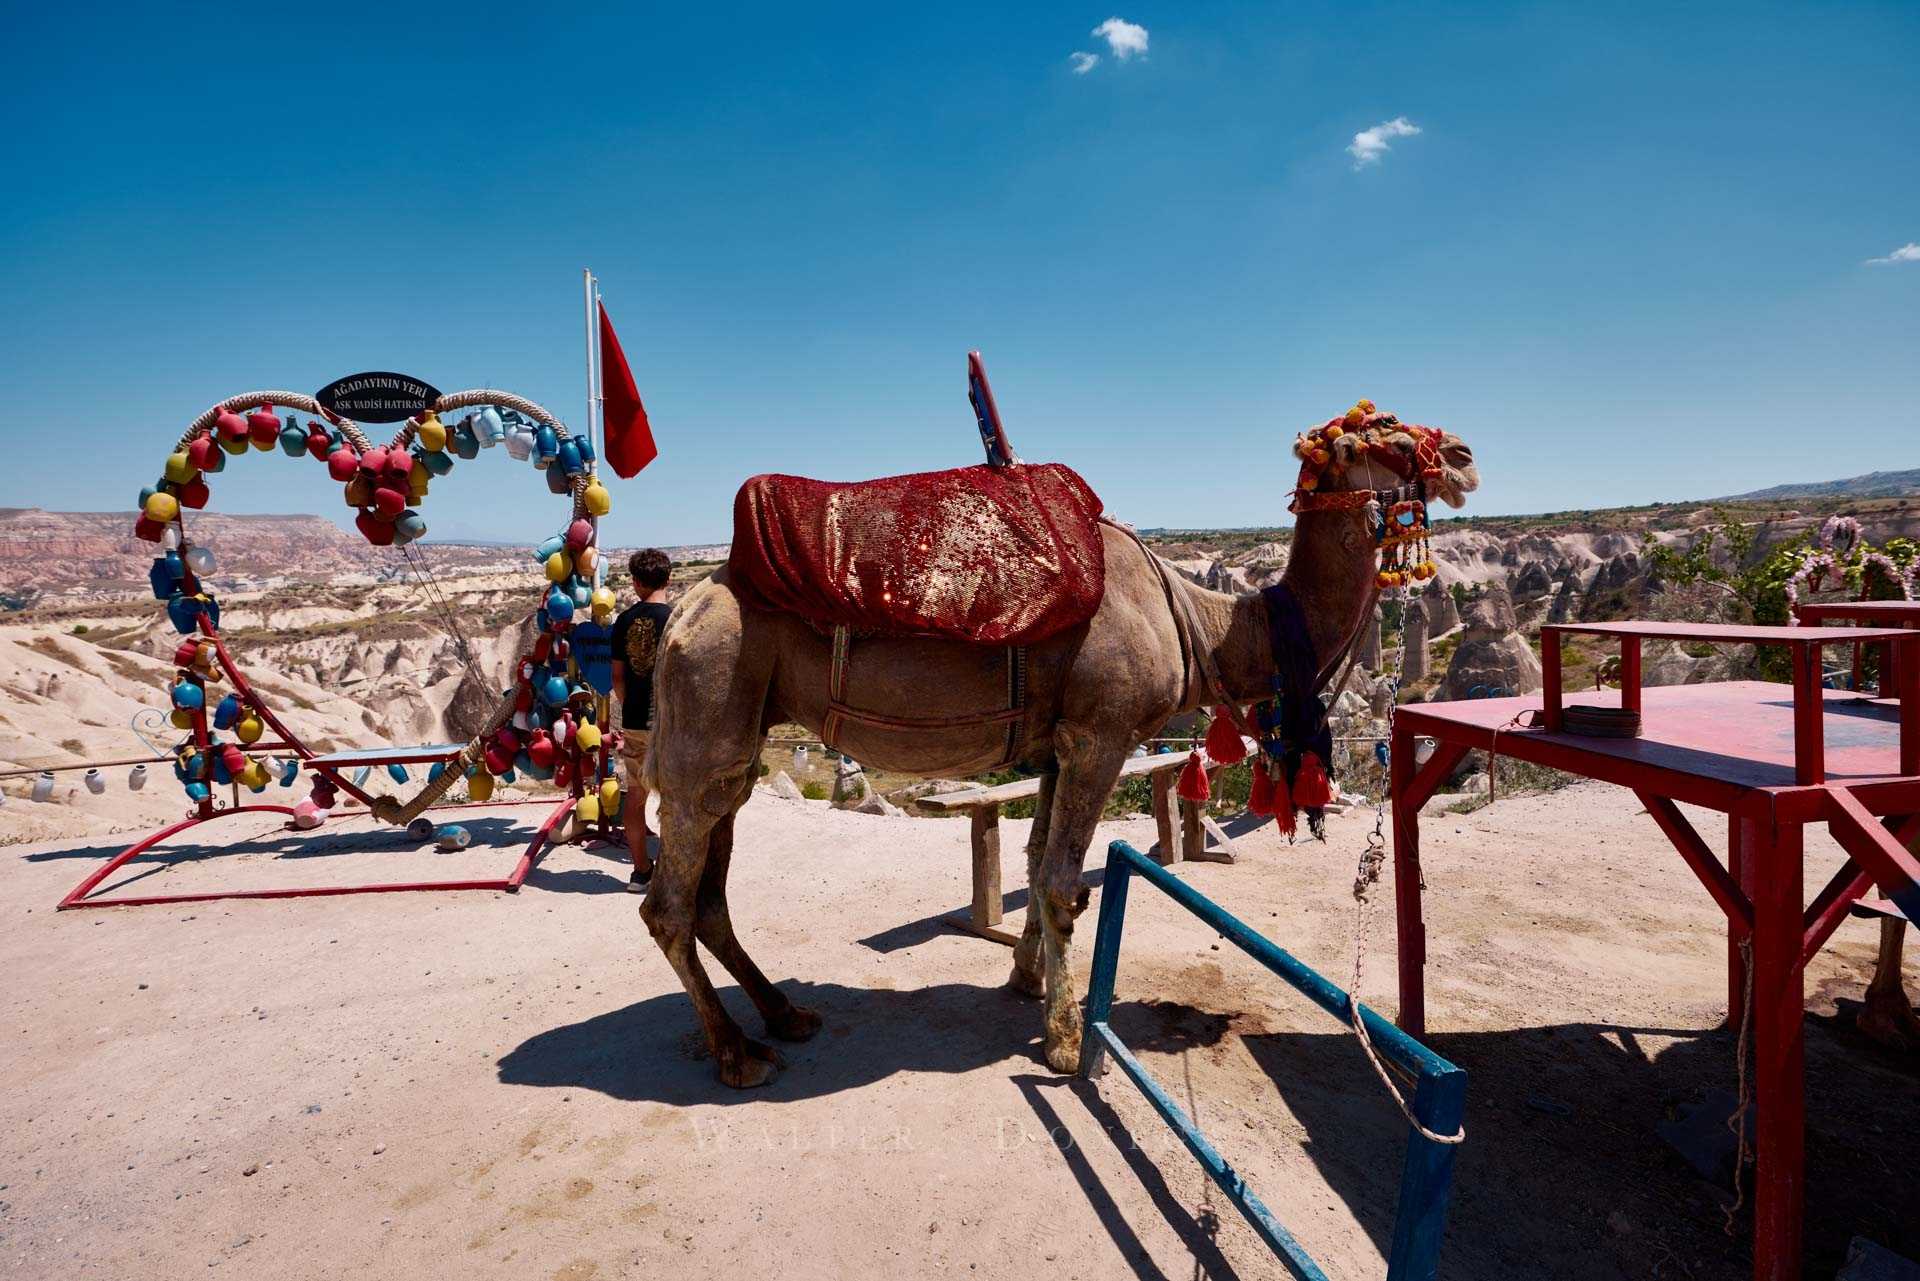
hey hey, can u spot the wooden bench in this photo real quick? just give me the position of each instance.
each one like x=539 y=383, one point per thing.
x=982 y=807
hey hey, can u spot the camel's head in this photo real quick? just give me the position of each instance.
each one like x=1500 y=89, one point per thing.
x=1368 y=454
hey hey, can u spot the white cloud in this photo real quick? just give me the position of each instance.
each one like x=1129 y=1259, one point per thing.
x=1083 y=62
x=1905 y=253
x=1123 y=37
x=1370 y=144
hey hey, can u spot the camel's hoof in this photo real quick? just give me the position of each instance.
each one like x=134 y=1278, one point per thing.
x=757 y=1065
x=795 y=1023
x=1889 y=1021
x=1026 y=983
x=1064 y=1057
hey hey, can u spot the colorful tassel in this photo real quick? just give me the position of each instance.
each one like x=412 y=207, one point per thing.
x=1283 y=818
x=1193 y=784
x=1260 y=802
x=1224 y=744
x=1311 y=790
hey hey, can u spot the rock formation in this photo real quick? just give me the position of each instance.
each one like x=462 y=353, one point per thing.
x=1493 y=659
x=1367 y=651
x=1413 y=640
x=1532 y=583
x=1566 y=598
x=1442 y=614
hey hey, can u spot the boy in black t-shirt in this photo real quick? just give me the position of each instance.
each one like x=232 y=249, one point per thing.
x=636 y=639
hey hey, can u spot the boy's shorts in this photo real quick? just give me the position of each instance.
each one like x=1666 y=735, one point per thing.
x=633 y=756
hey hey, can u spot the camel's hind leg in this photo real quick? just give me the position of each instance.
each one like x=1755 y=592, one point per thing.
x=714 y=925
x=1089 y=767
x=1887 y=1015
x=1028 y=975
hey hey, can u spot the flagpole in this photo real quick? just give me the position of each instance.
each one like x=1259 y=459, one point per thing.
x=593 y=386
x=599 y=381
x=593 y=400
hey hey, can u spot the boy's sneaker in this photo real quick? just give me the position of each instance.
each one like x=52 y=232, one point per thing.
x=636 y=883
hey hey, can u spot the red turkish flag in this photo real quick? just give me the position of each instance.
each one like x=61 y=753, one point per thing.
x=629 y=435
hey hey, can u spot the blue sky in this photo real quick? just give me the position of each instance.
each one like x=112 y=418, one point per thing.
x=1626 y=255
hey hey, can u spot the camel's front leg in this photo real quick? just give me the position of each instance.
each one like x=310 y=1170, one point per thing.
x=671 y=913
x=714 y=925
x=1089 y=768
x=1029 y=976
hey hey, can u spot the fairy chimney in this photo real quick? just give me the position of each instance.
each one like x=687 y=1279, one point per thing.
x=1413 y=639
x=1442 y=614
x=1369 y=649
x=1493 y=660
x=1566 y=597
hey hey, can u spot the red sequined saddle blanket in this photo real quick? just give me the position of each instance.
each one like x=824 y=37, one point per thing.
x=990 y=555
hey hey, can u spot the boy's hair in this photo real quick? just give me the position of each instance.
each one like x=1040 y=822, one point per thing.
x=650 y=568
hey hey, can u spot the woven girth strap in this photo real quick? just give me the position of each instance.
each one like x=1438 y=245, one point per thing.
x=388 y=809
x=840 y=714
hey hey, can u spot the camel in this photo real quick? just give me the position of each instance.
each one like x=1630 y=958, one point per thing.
x=727 y=673
x=1886 y=1013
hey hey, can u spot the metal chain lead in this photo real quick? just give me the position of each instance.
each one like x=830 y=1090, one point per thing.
x=1366 y=876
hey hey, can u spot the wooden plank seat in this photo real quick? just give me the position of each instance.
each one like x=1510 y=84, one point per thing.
x=1884 y=909
x=982 y=807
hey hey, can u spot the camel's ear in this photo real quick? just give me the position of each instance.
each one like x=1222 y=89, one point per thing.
x=1458 y=475
x=1346 y=450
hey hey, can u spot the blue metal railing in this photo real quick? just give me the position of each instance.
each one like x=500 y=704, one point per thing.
x=1440 y=1088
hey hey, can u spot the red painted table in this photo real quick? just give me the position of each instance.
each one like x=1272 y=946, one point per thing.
x=1773 y=758
x=1877 y=613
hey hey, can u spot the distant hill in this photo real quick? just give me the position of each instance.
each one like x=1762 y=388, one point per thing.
x=1876 y=484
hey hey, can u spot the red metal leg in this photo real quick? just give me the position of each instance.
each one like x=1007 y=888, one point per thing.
x=77 y=896
x=540 y=839
x=1740 y=868
x=1551 y=717
x=1411 y=930
x=1809 y=716
x=1630 y=673
x=1906 y=657
x=1779 y=1049
x=1720 y=882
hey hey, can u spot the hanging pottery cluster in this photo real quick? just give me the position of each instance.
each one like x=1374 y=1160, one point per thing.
x=554 y=732
x=206 y=760
x=384 y=483
x=175 y=579
x=1363 y=432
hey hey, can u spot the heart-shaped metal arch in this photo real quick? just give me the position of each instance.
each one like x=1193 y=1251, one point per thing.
x=455 y=759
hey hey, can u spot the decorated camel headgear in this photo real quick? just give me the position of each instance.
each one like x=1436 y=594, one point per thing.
x=1363 y=432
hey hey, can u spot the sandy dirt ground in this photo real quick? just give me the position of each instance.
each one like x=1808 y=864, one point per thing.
x=484 y=1085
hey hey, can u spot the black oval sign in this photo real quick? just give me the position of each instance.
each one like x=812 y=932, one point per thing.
x=377 y=397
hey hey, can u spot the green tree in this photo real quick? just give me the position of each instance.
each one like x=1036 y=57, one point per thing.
x=1722 y=556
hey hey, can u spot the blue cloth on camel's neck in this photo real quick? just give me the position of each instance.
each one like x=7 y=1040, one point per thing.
x=1303 y=721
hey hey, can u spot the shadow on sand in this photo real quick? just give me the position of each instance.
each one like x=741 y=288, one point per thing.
x=1562 y=1175
x=494 y=836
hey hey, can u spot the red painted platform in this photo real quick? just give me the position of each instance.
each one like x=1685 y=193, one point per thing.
x=1685 y=737
x=1773 y=758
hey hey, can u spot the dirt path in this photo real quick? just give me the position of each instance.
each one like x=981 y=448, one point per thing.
x=482 y=1085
